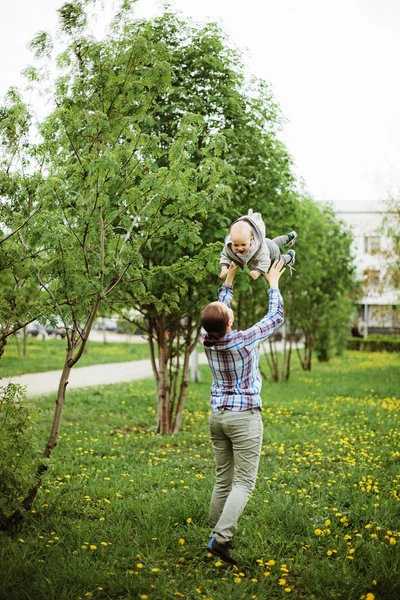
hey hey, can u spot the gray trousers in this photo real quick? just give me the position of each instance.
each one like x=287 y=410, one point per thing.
x=281 y=240
x=237 y=440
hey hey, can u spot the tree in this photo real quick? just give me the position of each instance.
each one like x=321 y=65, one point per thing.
x=325 y=274
x=208 y=79
x=21 y=300
x=104 y=197
x=391 y=229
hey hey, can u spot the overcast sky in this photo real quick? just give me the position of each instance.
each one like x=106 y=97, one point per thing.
x=332 y=64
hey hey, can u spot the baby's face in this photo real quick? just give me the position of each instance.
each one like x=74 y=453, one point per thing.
x=241 y=242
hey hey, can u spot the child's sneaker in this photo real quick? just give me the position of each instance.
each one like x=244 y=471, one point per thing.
x=292 y=254
x=291 y=238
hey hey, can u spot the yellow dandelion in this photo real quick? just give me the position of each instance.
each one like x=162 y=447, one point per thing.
x=155 y=570
x=139 y=566
x=218 y=563
x=392 y=541
x=93 y=547
x=237 y=580
x=189 y=520
x=181 y=541
x=288 y=589
x=370 y=596
x=282 y=581
x=143 y=596
x=270 y=563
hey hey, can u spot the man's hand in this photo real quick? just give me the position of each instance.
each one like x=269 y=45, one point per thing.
x=224 y=271
x=255 y=274
x=274 y=274
x=231 y=274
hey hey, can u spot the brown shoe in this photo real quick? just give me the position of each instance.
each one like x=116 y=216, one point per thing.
x=221 y=550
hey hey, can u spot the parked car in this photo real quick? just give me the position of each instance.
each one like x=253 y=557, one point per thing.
x=56 y=332
x=294 y=336
x=106 y=324
x=36 y=330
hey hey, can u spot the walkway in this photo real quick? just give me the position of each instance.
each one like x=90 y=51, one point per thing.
x=39 y=384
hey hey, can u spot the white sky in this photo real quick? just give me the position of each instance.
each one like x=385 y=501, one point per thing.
x=333 y=66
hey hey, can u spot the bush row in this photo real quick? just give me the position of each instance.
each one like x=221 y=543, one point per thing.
x=375 y=343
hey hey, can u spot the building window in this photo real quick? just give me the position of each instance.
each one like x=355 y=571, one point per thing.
x=372 y=244
x=372 y=278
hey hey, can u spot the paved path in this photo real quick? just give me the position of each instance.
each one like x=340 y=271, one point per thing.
x=38 y=384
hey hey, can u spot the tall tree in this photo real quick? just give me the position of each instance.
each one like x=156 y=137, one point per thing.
x=325 y=274
x=208 y=79
x=391 y=229
x=21 y=300
x=104 y=197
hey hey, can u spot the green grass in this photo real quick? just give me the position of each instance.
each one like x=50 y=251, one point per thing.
x=324 y=515
x=48 y=355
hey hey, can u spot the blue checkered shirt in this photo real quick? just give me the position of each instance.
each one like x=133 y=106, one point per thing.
x=234 y=358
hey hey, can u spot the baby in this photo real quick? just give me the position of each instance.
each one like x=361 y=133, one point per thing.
x=246 y=244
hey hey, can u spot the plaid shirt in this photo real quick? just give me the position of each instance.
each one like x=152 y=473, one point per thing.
x=234 y=358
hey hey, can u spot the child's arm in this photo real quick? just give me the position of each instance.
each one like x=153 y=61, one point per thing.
x=225 y=261
x=225 y=293
x=224 y=271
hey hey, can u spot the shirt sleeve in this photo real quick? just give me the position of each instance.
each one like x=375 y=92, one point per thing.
x=268 y=324
x=225 y=294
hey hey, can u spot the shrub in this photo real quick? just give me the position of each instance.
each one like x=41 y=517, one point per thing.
x=19 y=454
x=375 y=343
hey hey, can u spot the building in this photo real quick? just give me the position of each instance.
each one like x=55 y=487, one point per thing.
x=379 y=306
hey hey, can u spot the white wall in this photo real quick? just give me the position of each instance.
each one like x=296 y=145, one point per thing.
x=379 y=299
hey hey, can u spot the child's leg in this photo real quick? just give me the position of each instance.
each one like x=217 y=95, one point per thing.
x=281 y=240
x=289 y=258
x=289 y=238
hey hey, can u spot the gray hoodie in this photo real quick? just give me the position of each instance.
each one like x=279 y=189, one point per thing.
x=262 y=252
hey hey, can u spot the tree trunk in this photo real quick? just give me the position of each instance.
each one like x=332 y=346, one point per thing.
x=182 y=392
x=163 y=380
x=3 y=344
x=25 y=333
x=55 y=428
x=70 y=361
x=289 y=355
x=17 y=344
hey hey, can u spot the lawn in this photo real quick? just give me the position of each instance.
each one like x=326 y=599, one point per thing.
x=48 y=355
x=123 y=511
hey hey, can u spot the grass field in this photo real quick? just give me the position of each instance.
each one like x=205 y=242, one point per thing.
x=48 y=355
x=123 y=511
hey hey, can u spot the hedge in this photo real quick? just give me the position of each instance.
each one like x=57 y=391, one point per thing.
x=375 y=343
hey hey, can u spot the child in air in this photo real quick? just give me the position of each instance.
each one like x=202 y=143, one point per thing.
x=247 y=245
